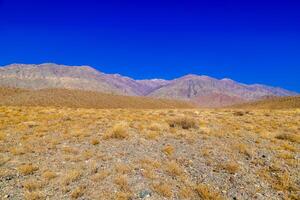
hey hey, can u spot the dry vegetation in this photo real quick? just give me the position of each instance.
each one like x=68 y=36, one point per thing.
x=82 y=99
x=291 y=102
x=68 y=153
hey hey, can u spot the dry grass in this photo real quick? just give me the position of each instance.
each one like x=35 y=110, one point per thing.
x=71 y=176
x=34 y=196
x=122 y=182
x=48 y=175
x=289 y=137
x=168 y=150
x=173 y=169
x=163 y=189
x=32 y=185
x=58 y=153
x=119 y=131
x=205 y=192
x=27 y=169
x=78 y=192
x=183 y=122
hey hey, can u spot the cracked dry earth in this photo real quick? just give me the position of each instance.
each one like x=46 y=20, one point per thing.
x=65 y=153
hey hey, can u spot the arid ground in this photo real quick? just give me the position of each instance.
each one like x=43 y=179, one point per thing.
x=75 y=153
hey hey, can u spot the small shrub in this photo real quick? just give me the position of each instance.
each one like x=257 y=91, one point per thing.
x=95 y=141
x=33 y=196
x=163 y=189
x=32 y=185
x=100 y=175
x=77 y=192
x=183 y=122
x=238 y=113
x=229 y=167
x=119 y=131
x=205 y=192
x=122 y=182
x=168 y=150
x=48 y=175
x=27 y=169
x=173 y=169
x=289 y=137
x=71 y=176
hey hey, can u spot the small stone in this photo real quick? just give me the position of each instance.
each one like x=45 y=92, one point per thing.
x=144 y=194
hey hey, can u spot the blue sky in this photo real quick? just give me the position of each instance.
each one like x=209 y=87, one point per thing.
x=248 y=41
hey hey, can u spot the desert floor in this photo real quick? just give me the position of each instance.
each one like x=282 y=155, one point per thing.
x=65 y=153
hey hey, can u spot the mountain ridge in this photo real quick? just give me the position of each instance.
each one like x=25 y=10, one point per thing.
x=200 y=89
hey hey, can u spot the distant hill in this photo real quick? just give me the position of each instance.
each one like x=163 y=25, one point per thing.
x=272 y=103
x=82 y=99
x=202 y=90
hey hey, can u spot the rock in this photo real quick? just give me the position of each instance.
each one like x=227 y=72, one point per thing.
x=144 y=194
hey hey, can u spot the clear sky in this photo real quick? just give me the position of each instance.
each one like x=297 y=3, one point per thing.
x=248 y=41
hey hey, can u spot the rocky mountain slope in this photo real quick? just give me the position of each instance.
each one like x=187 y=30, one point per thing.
x=203 y=90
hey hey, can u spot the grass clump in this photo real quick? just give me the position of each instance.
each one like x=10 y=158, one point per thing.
x=205 y=192
x=27 y=169
x=168 y=150
x=71 y=176
x=119 y=131
x=48 y=175
x=182 y=122
x=289 y=137
x=163 y=189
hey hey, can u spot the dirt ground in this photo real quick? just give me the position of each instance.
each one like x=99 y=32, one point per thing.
x=69 y=153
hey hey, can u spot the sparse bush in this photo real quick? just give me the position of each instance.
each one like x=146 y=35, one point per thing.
x=122 y=182
x=229 y=167
x=78 y=192
x=238 y=113
x=205 y=192
x=173 y=169
x=100 y=175
x=34 y=196
x=119 y=131
x=71 y=176
x=168 y=150
x=48 y=175
x=27 y=169
x=289 y=137
x=163 y=189
x=94 y=141
x=32 y=185
x=182 y=122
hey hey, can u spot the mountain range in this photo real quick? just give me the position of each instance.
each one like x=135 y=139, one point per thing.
x=202 y=90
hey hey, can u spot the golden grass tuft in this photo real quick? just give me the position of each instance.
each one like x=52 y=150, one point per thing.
x=94 y=141
x=71 y=176
x=122 y=182
x=119 y=131
x=163 y=189
x=48 y=175
x=32 y=185
x=78 y=192
x=183 y=122
x=168 y=150
x=173 y=169
x=205 y=192
x=289 y=137
x=100 y=176
x=34 y=196
x=230 y=167
x=27 y=169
